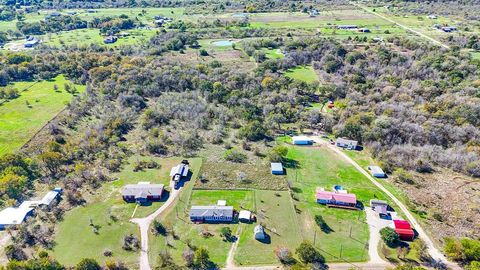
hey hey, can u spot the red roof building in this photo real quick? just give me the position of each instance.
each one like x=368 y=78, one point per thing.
x=328 y=197
x=404 y=230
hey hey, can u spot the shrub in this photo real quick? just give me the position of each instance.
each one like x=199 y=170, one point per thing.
x=308 y=254
x=235 y=155
x=284 y=255
x=389 y=236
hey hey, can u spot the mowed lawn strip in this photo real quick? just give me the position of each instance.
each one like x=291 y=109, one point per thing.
x=274 y=210
x=185 y=231
x=22 y=117
x=75 y=237
x=321 y=167
x=302 y=73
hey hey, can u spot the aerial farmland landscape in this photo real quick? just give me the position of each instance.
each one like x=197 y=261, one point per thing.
x=239 y=134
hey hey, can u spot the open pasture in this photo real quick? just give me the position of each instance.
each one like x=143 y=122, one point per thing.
x=22 y=117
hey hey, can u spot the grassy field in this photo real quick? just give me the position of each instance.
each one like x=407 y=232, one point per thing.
x=274 y=54
x=274 y=210
x=20 y=118
x=302 y=73
x=319 y=167
x=229 y=175
x=100 y=208
x=186 y=231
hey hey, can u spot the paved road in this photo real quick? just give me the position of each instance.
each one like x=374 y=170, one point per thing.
x=144 y=224
x=403 y=26
x=433 y=251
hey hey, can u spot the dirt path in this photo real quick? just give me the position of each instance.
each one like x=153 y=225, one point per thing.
x=433 y=251
x=331 y=266
x=403 y=26
x=144 y=224
x=374 y=227
x=230 y=264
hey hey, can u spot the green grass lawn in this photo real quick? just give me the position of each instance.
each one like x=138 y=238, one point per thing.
x=274 y=54
x=22 y=117
x=186 y=231
x=274 y=210
x=75 y=238
x=302 y=73
x=228 y=175
x=320 y=167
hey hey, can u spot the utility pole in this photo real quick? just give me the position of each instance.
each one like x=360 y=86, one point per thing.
x=314 y=237
x=341 y=249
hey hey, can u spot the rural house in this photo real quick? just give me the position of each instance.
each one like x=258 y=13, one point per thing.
x=381 y=207
x=302 y=140
x=347 y=27
x=259 y=233
x=404 y=230
x=277 y=168
x=142 y=192
x=336 y=199
x=377 y=172
x=211 y=213
x=346 y=143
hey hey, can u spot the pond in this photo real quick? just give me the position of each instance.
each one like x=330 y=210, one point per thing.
x=222 y=43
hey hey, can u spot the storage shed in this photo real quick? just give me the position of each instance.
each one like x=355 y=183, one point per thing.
x=404 y=230
x=302 y=140
x=259 y=233
x=245 y=216
x=277 y=168
x=377 y=171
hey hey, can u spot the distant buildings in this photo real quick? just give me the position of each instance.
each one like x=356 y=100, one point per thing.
x=211 y=213
x=346 y=143
x=277 y=168
x=314 y=13
x=31 y=42
x=302 y=140
x=110 y=39
x=142 y=192
x=432 y=17
x=377 y=171
x=448 y=29
x=347 y=27
x=12 y=216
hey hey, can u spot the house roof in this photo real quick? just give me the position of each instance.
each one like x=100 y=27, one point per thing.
x=180 y=169
x=377 y=202
x=211 y=211
x=339 y=197
x=376 y=170
x=346 y=141
x=301 y=138
x=381 y=209
x=14 y=215
x=244 y=214
x=401 y=224
x=258 y=229
x=142 y=190
x=405 y=232
x=277 y=166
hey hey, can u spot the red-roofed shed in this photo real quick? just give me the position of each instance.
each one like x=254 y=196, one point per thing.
x=404 y=230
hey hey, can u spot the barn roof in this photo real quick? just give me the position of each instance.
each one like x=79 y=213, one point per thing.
x=401 y=224
x=339 y=197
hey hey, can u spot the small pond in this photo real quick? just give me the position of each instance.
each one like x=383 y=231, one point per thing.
x=222 y=43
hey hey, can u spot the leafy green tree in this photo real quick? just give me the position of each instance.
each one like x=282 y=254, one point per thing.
x=278 y=153
x=389 y=236
x=202 y=259
x=308 y=253
x=88 y=264
x=226 y=233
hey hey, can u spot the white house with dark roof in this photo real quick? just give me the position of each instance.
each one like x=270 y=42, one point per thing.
x=346 y=143
x=211 y=213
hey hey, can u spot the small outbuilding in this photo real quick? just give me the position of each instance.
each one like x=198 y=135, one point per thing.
x=245 y=216
x=277 y=168
x=346 y=143
x=301 y=140
x=347 y=27
x=259 y=233
x=377 y=172
x=13 y=216
x=110 y=39
x=379 y=206
x=404 y=230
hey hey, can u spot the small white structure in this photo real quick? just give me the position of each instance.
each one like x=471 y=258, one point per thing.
x=259 y=233
x=245 y=216
x=12 y=216
x=221 y=202
x=277 y=168
x=432 y=17
x=302 y=140
x=346 y=143
x=377 y=172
